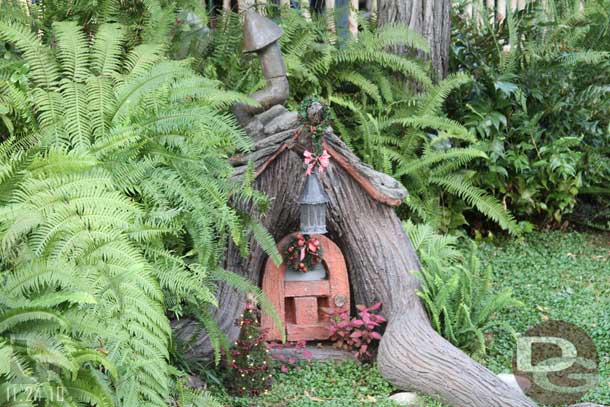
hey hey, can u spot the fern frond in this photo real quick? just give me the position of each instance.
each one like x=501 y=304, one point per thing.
x=73 y=50
x=362 y=83
x=588 y=57
x=132 y=91
x=486 y=204
x=76 y=120
x=266 y=241
x=397 y=34
x=452 y=128
x=387 y=60
x=141 y=59
x=107 y=50
x=43 y=67
x=426 y=161
x=437 y=94
x=429 y=244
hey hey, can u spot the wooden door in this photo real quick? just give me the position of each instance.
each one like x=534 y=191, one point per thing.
x=299 y=303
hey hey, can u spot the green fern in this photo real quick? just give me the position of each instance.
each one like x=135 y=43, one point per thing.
x=115 y=209
x=428 y=243
x=457 y=294
x=315 y=63
x=429 y=154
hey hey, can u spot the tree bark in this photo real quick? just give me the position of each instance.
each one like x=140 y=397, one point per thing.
x=329 y=11
x=491 y=5
x=430 y=18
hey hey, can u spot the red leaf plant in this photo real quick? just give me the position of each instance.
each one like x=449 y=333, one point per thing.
x=356 y=334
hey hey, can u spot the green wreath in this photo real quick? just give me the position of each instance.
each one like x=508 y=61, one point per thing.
x=302 y=253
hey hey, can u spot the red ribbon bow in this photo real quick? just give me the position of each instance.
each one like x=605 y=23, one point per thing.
x=311 y=161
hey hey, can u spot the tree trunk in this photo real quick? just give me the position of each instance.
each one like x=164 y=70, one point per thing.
x=329 y=11
x=352 y=21
x=380 y=260
x=500 y=11
x=430 y=18
x=491 y=5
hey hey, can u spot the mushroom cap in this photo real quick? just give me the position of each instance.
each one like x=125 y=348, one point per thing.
x=259 y=31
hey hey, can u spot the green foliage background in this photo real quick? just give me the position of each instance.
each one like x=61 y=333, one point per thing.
x=539 y=103
x=386 y=107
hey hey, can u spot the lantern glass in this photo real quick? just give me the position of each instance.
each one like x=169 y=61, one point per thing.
x=313 y=218
x=312 y=206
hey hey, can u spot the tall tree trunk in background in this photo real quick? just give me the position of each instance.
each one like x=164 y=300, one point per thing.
x=491 y=5
x=430 y=18
x=500 y=11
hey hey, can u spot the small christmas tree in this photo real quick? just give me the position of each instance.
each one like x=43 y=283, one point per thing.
x=249 y=362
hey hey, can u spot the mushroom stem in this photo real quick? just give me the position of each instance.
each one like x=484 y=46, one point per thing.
x=260 y=36
x=276 y=91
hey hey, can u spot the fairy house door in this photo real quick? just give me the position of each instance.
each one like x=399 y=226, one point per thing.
x=300 y=303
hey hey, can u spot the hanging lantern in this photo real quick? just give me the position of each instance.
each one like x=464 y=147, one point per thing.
x=312 y=206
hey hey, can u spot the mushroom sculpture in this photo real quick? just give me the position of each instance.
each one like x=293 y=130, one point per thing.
x=261 y=36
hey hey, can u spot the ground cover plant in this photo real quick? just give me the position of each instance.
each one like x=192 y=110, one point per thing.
x=321 y=383
x=574 y=269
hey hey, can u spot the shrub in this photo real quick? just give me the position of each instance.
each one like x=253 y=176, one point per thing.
x=539 y=103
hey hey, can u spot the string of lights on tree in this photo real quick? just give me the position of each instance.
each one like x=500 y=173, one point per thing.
x=249 y=370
